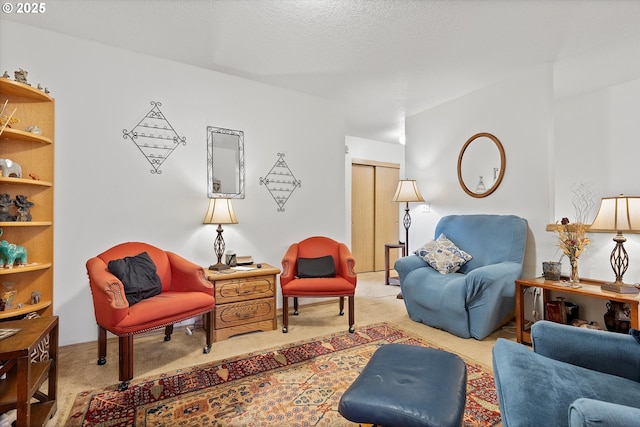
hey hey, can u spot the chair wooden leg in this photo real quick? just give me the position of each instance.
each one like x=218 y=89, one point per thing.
x=341 y=306
x=168 y=330
x=125 y=350
x=102 y=345
x=208 y=328
x=295 y=306
x=285 y=314
x=352 y=313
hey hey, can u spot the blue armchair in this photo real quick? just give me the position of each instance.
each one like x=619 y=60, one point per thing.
x=573 y=377
x=479 y=297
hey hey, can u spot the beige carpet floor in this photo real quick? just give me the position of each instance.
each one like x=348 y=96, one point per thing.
x=375 y=303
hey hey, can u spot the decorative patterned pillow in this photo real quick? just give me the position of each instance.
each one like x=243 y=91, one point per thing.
x=443 y=255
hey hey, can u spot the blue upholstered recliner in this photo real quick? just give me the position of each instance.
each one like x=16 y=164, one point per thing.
x=573 y=377
x=479 y=297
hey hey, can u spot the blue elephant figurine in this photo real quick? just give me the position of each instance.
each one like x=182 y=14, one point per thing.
x=10 y=253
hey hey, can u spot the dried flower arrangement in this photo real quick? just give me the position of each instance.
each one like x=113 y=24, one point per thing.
x=572 y=236
x=573 y=239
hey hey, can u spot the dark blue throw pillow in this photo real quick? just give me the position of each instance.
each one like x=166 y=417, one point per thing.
x=139 y=276
x=316 y=267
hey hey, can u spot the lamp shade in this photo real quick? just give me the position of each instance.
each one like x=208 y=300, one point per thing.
x=220 y=211
x=617 y=214
x=407 y=191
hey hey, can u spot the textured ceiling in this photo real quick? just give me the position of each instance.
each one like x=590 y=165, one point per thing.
x=382 y=60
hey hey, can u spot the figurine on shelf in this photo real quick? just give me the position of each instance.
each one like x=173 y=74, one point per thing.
x=35 y=297
x=7 y=296
x=24 y=207
x=34 y=130
x=10 y=169
x=5 y=204
x=10 y=253
x=21 y=76
x=5 y=75
x=43 y=89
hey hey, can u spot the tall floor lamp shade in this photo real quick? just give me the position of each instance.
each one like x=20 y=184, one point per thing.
x=220 y=211
x=407 y=191
x=616 y=215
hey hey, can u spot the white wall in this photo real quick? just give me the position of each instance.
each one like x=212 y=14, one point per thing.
x=516 y=112
x=596 y=136
x=105 y=193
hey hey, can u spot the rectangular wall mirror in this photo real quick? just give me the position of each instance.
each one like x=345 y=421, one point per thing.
x=225 y=163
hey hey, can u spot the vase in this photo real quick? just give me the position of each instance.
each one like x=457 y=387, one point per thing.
x=551 y=270
x=617 y=318
x=574 y=277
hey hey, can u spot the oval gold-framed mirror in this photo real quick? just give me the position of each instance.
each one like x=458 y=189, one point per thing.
x=481 y=165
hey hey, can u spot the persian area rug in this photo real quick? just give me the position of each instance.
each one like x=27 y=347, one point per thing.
x=298 y=384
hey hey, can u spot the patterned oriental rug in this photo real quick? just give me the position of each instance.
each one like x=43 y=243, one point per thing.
x=298 y=384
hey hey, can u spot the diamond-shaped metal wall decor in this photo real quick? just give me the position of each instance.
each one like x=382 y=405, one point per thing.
x=280 y=182
x=155 y=137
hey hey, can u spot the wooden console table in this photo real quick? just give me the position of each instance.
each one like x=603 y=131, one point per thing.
x=588 y=288
x=245 y=300
x=25 y=377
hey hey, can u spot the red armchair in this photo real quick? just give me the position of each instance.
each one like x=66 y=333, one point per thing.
x=185 y=293
x=343 y=284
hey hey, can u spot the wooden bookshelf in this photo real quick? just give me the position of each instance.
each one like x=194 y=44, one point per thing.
x=35 y=154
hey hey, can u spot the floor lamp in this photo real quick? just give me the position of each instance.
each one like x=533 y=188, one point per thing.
x=407 y=191
x=618 y=214
x=220 y=211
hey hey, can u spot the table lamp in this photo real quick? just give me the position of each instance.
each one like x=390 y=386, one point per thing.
x=220 y=211
x=618 y=214
x=407 y=191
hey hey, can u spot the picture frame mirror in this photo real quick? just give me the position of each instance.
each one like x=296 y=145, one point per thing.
x=225 y=163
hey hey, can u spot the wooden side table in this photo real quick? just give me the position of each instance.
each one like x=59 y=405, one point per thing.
x=588 y=288
x=25 y=377
x=245 y=300
x=391 y=280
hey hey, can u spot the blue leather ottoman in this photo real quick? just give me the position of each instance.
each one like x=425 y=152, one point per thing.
x=405 y=385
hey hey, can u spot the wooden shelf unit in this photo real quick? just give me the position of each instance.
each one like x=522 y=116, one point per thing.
x=15 y=181
x=21 y=135
x=35 y=154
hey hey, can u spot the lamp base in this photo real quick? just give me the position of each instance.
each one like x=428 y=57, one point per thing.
x=619 y=288
x=219 y=266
